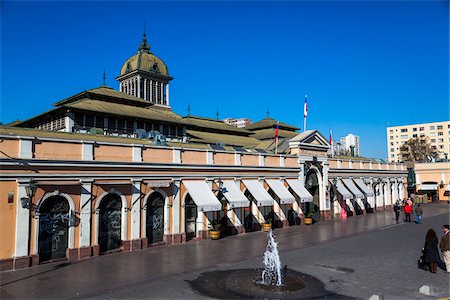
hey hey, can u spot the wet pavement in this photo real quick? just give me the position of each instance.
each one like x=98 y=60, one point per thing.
x=358 y=257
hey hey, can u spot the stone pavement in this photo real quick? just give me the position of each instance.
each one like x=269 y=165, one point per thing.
x=359 y=257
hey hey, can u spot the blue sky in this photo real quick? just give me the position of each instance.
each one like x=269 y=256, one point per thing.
x=364 y=65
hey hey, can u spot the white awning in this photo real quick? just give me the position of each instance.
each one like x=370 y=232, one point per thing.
x=257 y=190
x=343 y=190
x=234 y=195
x=300 y=190
x=366 y=190
x=202 y=195
x=352 y=188
x=282 y=192
x=428 y=187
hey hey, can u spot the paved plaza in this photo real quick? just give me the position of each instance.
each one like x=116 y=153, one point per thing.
x=358 y=257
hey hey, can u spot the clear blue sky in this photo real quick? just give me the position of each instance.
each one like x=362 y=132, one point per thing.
x=364 y=65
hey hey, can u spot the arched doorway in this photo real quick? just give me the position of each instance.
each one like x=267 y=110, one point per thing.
x=110 y=211
x=155 y=218
x=312 y=185
x=53 y=228
x=190 y=211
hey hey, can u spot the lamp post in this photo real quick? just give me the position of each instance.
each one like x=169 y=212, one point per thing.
x=334 y=183
x=30 y=190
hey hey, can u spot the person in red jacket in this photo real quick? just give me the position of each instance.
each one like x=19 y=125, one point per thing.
x=408 y=210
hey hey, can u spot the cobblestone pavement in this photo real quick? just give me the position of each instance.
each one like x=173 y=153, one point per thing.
x=359 y=257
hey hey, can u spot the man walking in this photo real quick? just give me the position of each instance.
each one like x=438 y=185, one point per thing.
x=418 y=211
x=397 y=211
x=445 y=247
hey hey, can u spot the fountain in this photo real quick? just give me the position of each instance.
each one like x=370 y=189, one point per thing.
x=270 y=282
x=272 y=265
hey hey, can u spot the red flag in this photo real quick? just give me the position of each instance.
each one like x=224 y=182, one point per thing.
x=305 y=107
x=331 y=137
x=276 y=133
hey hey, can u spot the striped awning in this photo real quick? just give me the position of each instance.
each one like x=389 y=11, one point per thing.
x=281 y=191
x=352 y=188
x=202 y=195
x=343 y=190
x=428 y=187
x=257 y=190
x=234 y=195
x=366 y=190
x=300 y=190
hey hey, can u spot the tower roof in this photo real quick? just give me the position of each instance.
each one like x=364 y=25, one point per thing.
x=144 y=60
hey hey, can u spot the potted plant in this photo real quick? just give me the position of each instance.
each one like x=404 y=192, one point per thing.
x=266 y=226
x=214 y=230
x=309 y=219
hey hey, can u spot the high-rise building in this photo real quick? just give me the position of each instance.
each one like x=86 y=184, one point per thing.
x=437 y=133
x=347 y=145
x=240 y=122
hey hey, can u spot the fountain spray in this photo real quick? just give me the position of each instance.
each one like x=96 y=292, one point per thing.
x=271 y=274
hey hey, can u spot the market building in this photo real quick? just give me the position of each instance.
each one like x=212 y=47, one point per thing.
x=108 y=171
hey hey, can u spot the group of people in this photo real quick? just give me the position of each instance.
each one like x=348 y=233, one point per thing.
x=408 y=209
x=430 y=252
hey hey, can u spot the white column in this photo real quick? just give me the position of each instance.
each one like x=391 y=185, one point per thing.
x=386 y=193
x=136 y=210
x=85 y=213
x=176 y=207
x=22 y=222
x=325 y=205
x=151 y=90
x=145 y=89
x=167 y=94
x=161 y=93
x=120 y=86
x=138 y=86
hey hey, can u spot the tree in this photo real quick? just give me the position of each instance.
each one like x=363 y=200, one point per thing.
x=417 y=149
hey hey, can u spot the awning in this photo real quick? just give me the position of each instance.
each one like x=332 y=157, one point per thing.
x=343 y=190
x=58 y=182
x=202 y=195
x=366 y=190
x=257 y=190
x=282 y=192
x=234 y=195
x=352 y=188
x=428 y=187
x=300 y=190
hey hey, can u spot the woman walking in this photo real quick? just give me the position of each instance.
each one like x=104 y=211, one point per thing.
x=431 y=250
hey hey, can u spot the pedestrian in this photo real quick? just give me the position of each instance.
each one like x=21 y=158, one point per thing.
x=408 y=210
x=445 y=247
x=397 y=211
x=418 y=211
x=409 y=201
x=431 y=250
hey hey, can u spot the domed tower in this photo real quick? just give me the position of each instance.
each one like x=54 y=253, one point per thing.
x=145 y=76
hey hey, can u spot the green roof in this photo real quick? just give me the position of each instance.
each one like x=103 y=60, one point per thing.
x=227 y=139
x=270 y=123
x=196 y=123
x=149 y=113
x=269 y=133
x=106 y=93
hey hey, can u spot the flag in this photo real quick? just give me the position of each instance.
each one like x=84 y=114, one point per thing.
x=276 y=133
x=305 y=107
x=331 y=137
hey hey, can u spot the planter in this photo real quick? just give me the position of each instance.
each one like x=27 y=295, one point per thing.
x=308 y=221
x=266 y=227
x=214 y=234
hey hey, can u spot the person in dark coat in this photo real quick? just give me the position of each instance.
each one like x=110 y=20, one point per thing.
x=431 y=250
x=397 y=211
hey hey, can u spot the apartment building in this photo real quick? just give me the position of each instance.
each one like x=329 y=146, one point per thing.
x=438 y=134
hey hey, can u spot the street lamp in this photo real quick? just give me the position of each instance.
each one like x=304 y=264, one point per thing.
x=220 y=185
x=30 y=189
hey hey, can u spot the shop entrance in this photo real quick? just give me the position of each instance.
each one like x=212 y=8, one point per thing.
x=53 y=228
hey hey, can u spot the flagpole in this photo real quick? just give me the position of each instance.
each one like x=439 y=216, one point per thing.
x=305 y=112
x=276 y=138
